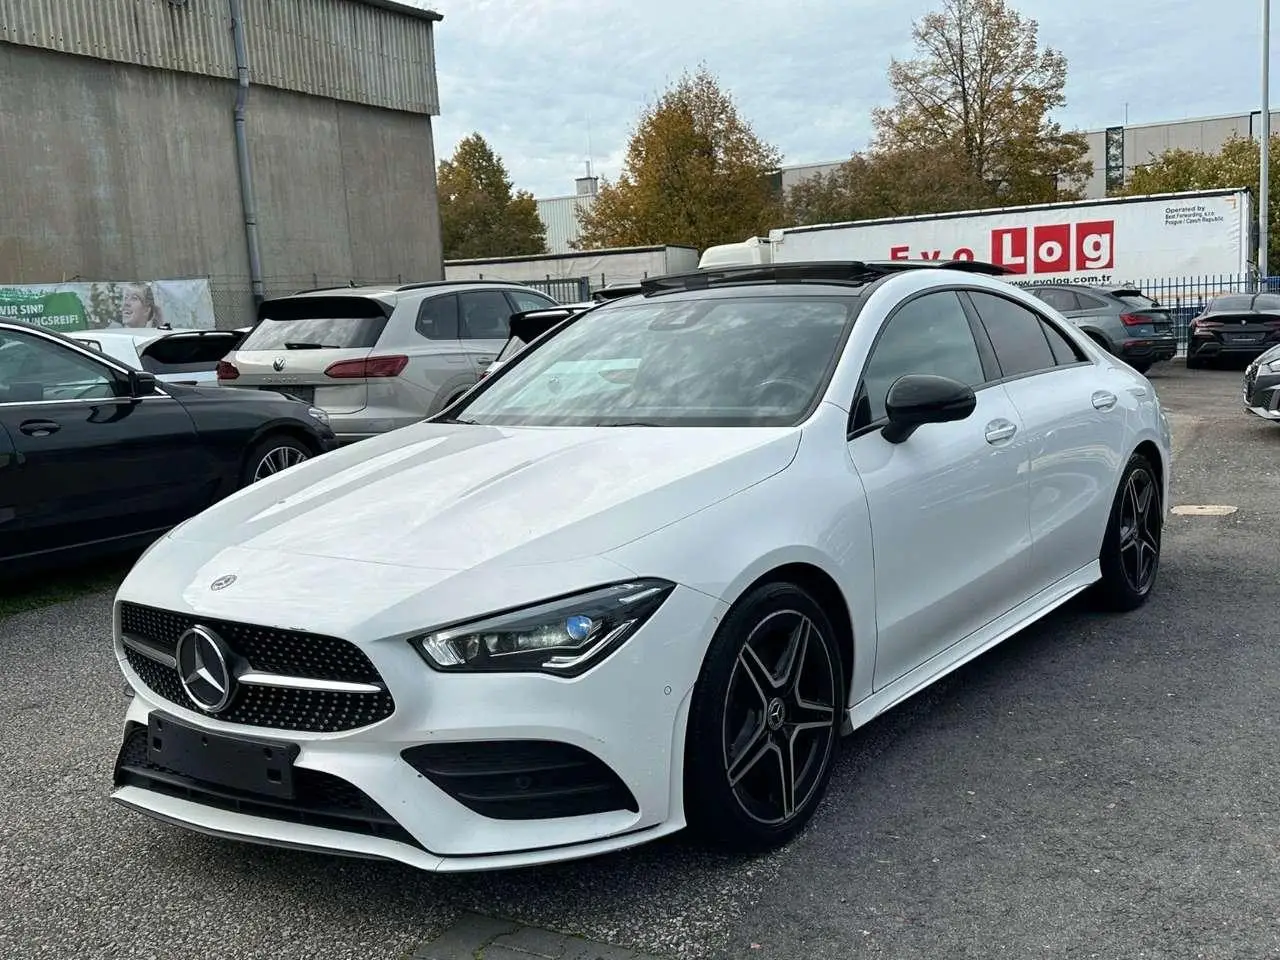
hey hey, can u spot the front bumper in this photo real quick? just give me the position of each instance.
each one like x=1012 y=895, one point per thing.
x=628 y=714
x=1261 y=394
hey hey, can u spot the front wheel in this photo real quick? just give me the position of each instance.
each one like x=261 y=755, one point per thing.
x=765 y=721
x=1130 y=556
x=271 y=455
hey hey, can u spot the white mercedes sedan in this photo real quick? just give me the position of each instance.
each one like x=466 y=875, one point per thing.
x=643 y=577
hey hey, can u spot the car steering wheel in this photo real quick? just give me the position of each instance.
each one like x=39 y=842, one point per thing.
x=800 y=391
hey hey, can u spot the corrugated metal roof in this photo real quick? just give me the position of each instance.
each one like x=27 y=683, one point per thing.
x=376 y=52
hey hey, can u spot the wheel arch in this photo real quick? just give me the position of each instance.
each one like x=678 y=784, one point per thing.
x=824 y=589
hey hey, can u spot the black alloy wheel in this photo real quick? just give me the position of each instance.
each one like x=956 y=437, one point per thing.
x=765 y=721
x=1130 y=557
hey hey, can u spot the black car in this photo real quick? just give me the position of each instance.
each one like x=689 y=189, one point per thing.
x=96 y=457
x=1241 y=326
x=1262 y=386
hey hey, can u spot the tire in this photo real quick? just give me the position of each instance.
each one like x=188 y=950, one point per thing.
x=1194 y=362
x=1130 y=555
x=1142 y=366
x=272 y=454
x=1102 y=343
x=772 y=677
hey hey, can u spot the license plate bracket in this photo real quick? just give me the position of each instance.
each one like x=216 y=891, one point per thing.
x=1244 y=337
x=237 y=763
x=305 y=394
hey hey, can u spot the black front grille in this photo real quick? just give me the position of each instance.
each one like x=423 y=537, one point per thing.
x=268 y=650
x=522 y=779
x=320 y=799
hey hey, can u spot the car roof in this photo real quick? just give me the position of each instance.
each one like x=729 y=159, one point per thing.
x=394 y=292
x=1244 y=303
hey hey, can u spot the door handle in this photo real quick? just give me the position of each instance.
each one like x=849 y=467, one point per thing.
x=484 y=361
x=39 y=428
x=1103 y=400
x=1000 y=430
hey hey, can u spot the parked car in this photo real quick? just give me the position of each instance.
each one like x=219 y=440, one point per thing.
x=1262 y=385
x=379 y=358
x=1237 y=326
x=1122 y=320
x=524 y=632
x=527 y=326
x=96 y=456
x=175 y=356
x=615 y=291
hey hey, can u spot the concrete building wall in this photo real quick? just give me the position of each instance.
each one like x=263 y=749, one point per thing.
x=117 y=171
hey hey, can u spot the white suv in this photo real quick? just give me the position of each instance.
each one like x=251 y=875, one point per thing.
x=378 y=358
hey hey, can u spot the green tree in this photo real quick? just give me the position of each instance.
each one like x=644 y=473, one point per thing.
x=479 y=214
x=1236 y=165
x=982 y=89
x=695 y=174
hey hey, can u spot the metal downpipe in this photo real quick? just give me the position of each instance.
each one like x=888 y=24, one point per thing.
x=242 y=154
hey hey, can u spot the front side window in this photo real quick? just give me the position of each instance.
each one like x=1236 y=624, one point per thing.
x=529 y=301
x=486 y=315
x=1058 y=298
x=929 y=334
x=707 y=362
x=33 y=370
x=1016 y=334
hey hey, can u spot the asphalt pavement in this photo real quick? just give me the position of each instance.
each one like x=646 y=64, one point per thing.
x=1096 y=787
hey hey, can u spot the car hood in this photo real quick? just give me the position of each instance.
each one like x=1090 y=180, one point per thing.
x=454 y=497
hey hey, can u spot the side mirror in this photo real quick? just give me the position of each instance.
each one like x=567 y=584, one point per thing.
x=141 y=383
x=921 y=398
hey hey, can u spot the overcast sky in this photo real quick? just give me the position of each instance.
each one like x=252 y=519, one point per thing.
x=534 y=76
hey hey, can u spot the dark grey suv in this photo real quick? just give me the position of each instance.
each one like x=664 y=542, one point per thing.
x=1123 y=320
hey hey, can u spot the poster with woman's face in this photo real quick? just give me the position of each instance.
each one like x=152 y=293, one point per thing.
x=138 y=307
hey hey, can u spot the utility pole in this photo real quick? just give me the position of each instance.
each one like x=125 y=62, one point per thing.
x=1264 y=172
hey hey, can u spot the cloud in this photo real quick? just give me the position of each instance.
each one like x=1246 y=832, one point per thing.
x=538 y=78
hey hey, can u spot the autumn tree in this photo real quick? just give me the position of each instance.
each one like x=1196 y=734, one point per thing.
x=695 y=174
x=982 y=89
x=1236 y=165
x=479 y=214
x=890 y=183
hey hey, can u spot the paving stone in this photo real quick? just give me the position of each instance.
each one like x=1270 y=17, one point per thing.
x=466 y=938
x=531 y=940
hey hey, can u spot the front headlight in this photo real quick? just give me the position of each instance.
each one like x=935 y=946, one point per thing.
x=565 y=637
x=317 y=414
x=1274 y=365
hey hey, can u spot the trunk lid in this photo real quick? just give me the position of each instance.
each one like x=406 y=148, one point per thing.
x=298 y=339
x=1144 y=316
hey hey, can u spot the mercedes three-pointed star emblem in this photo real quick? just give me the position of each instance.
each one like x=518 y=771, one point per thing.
x=204 y=668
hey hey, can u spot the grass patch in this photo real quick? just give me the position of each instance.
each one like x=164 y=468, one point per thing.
x=56 y=586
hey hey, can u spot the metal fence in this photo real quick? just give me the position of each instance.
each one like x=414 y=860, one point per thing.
x=563 y=290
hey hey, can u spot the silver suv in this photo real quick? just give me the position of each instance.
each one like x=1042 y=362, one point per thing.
x=1124 y=321
x=378 y=358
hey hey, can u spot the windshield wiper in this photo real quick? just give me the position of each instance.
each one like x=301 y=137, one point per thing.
x=465 y=422
x=309 y=345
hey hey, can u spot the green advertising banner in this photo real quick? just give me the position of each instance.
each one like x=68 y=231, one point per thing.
x=182 y=304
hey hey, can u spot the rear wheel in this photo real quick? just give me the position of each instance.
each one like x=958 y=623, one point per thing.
x=272 y=454
x=1142 y=366
x=1130 y=556
x=1101 y=342
x=765 y=721
x=1194 y=362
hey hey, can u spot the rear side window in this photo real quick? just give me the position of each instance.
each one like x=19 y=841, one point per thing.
x=315 y=323
x=438 y=318
x=529 y=301
x=1087 y=301
x=1063 y=350
x=1016 y=333
x=486 y=315
x=187 y=354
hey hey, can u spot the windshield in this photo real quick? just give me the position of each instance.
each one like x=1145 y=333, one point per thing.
x=723 y=362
